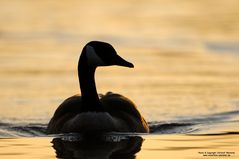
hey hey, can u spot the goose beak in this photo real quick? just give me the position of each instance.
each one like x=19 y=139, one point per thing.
x=122 y=62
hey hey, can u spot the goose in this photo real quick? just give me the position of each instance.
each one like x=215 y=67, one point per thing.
x=93 y=113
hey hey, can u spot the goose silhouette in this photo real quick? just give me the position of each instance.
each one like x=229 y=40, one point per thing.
x=90 y=113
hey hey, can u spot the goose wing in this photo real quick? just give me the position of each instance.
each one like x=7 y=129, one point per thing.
x=69 y=108
x=124 y=109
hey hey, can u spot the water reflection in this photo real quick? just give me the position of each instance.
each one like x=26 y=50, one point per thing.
x=111 y=147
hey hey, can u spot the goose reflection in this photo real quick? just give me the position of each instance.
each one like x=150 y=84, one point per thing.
x=113 y=147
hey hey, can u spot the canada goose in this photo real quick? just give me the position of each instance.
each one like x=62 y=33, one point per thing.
x=89 y=113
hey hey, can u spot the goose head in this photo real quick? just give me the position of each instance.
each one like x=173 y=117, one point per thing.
x=103 y=54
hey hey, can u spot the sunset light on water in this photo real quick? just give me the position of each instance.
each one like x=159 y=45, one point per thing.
x=185 y=81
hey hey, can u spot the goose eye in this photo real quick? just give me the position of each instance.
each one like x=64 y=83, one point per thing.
x=92 y=57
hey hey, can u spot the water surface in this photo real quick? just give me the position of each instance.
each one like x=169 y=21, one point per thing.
x=185 y=81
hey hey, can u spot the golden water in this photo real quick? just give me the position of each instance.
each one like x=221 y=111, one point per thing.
x=153 y=147
x=185 y=55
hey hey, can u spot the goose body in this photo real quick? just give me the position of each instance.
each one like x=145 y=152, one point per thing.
x=91 y=113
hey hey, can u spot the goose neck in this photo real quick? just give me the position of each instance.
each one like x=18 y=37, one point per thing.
x=89 y=95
